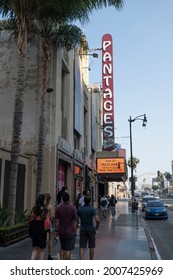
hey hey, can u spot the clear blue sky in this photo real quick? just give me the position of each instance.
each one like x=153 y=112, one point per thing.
x=143 y=77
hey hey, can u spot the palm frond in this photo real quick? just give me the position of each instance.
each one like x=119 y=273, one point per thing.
x=68 y=36
x=91 y=5
x=9 y=27
x=61 y=11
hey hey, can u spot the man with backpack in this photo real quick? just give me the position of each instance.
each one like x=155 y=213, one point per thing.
x=103 y=204
x=87 y=214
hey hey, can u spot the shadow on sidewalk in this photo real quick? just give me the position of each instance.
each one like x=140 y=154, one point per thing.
x=116 y=239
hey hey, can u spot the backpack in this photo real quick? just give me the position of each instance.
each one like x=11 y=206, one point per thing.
x=77 y=204
x=112 y=201
x=104 y=203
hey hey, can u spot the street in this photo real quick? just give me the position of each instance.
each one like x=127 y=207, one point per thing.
x=162 y=231
x=117 y=239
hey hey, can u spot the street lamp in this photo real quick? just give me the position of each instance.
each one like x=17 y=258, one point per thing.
x=95 y=55
x=144 y=120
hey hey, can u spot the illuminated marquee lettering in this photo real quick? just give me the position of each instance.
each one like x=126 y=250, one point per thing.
x=108 y=105
x=107 y=79
x=107 y=118
x=106 y=43
x=107 y=68
x=108 y=131
x=107 y=93
x=108 y=100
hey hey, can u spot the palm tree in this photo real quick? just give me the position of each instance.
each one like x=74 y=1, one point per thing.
x=24 y=13
x=68 y=36
x=21 y=12
x=168 y=176
x=135 y=162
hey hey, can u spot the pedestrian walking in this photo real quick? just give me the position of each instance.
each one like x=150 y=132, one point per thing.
x=77 y=200
x=86 y=214
x=59 y=195
x=134 y=205
x=103 y=205
x=39 y=227
x=51 y=216
x=112 y=205
x=81 y=200
x=66 y=226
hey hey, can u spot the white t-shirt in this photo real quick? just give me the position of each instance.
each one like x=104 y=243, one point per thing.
x=81 y=201
x=104 y=206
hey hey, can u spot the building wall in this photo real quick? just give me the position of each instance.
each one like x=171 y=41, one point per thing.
x=29 y=133
x=8 y=68
x=23 y=160
x=60 y=118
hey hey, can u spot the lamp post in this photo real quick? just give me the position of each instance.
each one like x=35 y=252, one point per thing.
x=144 y=119
x=95 y=55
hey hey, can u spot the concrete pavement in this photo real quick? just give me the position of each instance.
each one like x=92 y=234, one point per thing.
x=124 y=238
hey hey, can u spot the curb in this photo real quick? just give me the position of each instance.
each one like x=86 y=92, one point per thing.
x=149 y=238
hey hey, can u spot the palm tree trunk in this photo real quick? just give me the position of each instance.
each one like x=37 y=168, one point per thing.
x=42 y=122
x=16 y=133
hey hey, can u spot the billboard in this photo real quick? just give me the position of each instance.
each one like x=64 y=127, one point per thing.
x=110 y=165
x=108 y=93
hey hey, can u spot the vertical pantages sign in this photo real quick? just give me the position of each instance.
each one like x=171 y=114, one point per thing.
x=108 y=94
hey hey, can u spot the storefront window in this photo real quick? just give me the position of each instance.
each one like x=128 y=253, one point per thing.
x=77 y=170
x=61 y=175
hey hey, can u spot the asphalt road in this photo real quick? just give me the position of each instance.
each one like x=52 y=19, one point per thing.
x=161 y=232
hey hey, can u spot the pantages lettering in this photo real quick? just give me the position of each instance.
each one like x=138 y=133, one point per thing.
x=108 y=98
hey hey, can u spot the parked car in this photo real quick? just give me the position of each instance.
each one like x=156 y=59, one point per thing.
x=144 y=193
x=155 y=209
x=155 y=195
x=145 y=199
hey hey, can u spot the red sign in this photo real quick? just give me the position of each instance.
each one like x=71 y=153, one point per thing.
x=108 y=94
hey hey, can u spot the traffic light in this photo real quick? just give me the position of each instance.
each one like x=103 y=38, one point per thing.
x=158 y=173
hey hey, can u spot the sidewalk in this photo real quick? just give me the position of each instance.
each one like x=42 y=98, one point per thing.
x=124 y=238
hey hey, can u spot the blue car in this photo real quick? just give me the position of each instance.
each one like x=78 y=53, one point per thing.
x=155 y=209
